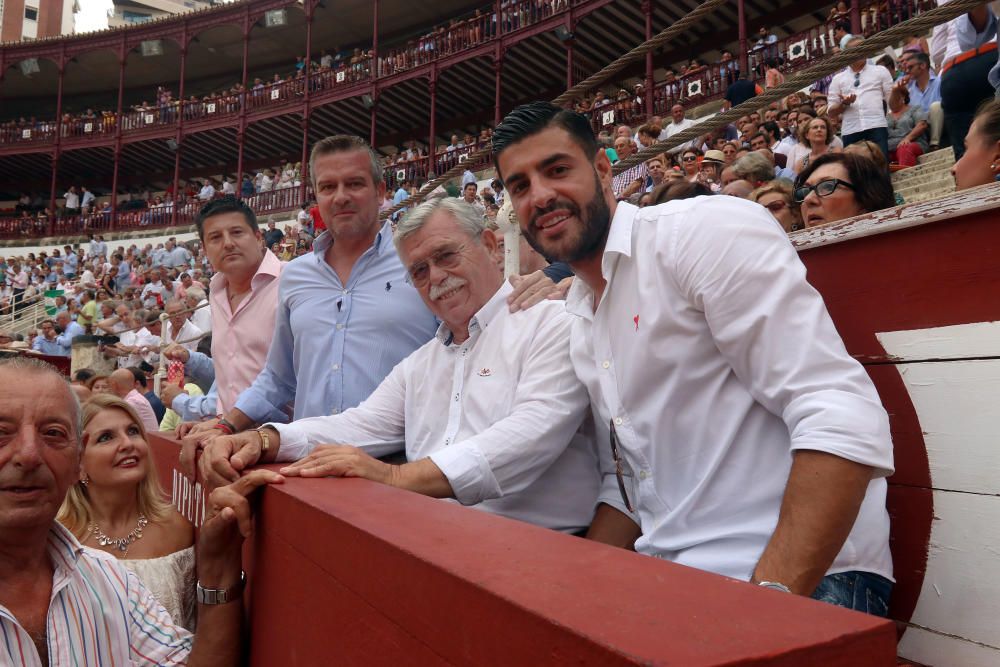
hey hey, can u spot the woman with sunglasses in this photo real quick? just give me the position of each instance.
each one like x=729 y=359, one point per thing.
x=841 y=185
x=689 y=163
x=776 y=197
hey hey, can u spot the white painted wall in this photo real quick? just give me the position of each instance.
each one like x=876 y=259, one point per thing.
x=957 y=403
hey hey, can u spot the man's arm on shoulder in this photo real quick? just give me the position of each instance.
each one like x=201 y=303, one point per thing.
x=774 y=330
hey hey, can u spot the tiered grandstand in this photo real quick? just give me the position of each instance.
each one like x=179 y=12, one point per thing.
x=227 y=90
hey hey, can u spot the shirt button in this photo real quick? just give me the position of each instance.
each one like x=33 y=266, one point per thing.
x=606 y=364
x=456 y=397
x=340 y=326
x=336 y=367
x=643 y=474
x=618 y=421
x=333 y=411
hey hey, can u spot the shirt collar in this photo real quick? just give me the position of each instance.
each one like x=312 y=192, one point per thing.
x=63 y=547
x=269 y=266
x=382 y=241
x=483 y=316
x=580 y=299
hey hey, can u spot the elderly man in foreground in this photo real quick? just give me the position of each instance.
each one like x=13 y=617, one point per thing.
x=488 y=412
x=65 y=604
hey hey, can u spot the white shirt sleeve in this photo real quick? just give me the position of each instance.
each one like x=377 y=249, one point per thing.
x=375 y=426
x=513 y=453
x=833 y=93
x=774 y=330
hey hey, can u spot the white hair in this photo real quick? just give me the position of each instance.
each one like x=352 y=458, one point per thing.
x=464 y=214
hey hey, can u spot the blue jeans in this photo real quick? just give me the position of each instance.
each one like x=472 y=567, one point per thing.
x=880 y=135
x=860 y=591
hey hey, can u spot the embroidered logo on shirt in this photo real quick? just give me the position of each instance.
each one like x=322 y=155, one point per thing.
x=636 y=320
x=388 y=286
x=485 y=373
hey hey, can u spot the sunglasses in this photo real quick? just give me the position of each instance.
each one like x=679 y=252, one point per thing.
x=857 y=79
x=689 y=158
x=619 y=468
x=824 y=188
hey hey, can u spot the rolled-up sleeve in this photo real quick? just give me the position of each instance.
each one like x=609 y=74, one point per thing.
x=774 y=329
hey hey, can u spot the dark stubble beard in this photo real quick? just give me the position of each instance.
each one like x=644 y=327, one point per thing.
x=595 y=222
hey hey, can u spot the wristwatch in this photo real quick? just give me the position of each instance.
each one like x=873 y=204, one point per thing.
x=221 y=595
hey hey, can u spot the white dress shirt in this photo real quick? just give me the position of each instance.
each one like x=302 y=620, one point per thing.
x=202 y=318
x=716 y=360
x=499 y=414
x=675 y=128
x=867 y=111
x=188 y=337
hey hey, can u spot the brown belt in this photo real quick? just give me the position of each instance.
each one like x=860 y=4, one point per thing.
x=968 y=55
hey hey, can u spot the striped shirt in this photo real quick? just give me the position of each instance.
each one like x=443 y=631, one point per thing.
x=334 y=342
x=99 y=614
x=621 y=182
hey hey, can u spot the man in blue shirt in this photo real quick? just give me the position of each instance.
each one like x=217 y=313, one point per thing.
x=46 y=341
x=67 y=330
x=347 y=314
x=924 y=87
x=70 y=262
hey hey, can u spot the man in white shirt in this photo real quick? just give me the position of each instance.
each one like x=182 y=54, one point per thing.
x=156 y=287
x=858 y=95
x=679 y=124
x=179 y=328
x=207 y=191
x=488 y=412
x=72 y=200
x=739 y=435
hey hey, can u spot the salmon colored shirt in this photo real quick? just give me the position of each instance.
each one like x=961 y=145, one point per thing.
x=240 y=340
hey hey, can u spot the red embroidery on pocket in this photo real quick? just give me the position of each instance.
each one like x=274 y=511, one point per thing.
x=636 y=320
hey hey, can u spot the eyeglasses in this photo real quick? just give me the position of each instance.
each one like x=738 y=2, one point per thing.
x=419 y=274
x=619 y=468
x=824 y=188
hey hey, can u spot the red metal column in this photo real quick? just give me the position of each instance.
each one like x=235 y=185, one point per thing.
x=742 y=18
x=497 y=71
x=856 y=17
x=373 y=112
x=375 y=63
x=647 y=94
x=122 y=57
x=569 y=63
x=241 y=132
x=305 y=160
x=432 y=142
x=180 y=130
x=59 y=132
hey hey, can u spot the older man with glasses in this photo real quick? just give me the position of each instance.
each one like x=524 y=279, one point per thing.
x=488 y=412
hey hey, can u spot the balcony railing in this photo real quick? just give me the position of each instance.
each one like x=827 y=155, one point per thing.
x=281 y=200
x=459 y=36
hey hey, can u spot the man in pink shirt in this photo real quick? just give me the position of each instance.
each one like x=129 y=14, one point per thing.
x=122 y=384
x=243 y=297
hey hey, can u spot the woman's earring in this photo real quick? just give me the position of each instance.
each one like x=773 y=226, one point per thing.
x=86 y=479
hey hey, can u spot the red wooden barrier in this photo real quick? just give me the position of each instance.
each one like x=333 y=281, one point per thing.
x=357 y=573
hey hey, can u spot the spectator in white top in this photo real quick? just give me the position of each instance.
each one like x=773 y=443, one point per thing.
x=72 y=206
x=679 y=124
x=156 y=292
x=179 y=328
x=470 y=197
x=750 y=443
x=207 y=192
x=202 y=317
x=858 y=95
x=488 y=412
x=228 y=187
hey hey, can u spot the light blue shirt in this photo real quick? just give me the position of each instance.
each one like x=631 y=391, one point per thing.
x=179 y=256
x=969 y=39
x=49 y=347
x=65 y=339
x=196 y=408
x=924 y=99
x=70 y=264
x=157 y=255
x=334 y=343
x=124 y=277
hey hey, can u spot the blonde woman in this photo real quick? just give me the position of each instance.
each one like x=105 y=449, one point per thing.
x=776 y=197
x=119 y=507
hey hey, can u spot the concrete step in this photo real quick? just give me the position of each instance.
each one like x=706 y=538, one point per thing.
x=910 y=177
x=943 y=154
x=929 y=190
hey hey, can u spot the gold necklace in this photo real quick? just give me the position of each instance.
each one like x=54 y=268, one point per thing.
x=120 y=543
